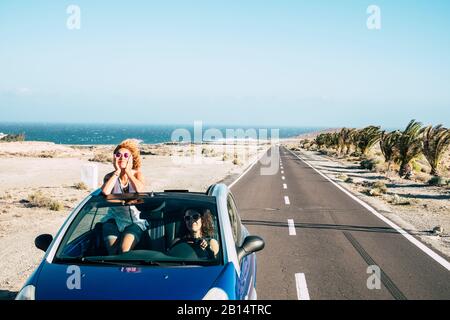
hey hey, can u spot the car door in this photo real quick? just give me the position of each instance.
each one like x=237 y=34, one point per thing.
x=246 y=279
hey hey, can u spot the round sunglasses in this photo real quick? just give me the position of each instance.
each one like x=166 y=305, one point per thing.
x=194 y=217
x=126 y=155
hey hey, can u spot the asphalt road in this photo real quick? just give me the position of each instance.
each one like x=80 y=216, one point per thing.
x=336 y=240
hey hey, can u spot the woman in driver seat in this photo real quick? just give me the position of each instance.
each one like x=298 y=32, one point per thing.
x=200 y=231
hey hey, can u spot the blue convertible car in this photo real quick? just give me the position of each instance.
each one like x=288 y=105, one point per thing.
x=161 y=267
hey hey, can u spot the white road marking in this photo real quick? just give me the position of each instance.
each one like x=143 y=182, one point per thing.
x=302 y=288
x=291 y=225
x=286 y=200
x=443 y=262
x=283 y=178
x=284 y=186
x=282 y=172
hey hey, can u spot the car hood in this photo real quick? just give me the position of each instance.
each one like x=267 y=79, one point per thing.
x=125 y=283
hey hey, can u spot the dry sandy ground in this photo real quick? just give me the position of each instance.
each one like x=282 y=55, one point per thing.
x=27 y=167
x=413 y=205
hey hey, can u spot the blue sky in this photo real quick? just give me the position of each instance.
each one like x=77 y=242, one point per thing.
x=305 y=63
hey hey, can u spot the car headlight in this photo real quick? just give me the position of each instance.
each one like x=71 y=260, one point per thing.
x=27 y=293
x=216 y=294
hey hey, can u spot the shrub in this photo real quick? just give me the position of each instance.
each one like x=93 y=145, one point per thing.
x=38 y=199
x=373 y=192
x=329 y=153
x=47 y=154
x=370 y=164
x=380 y=185
x=56 y=206
x=81 y=186
x=102 y=157
x=437 y=181
x=356 y=154
x=13 y=137
x=348 y=180
x=6 y=196
x=208 y=152
x=396 y=200
x=236 y=161
x=342 y=176
x=375 y=189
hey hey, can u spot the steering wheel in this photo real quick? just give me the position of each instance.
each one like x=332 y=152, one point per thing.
x=187 y=248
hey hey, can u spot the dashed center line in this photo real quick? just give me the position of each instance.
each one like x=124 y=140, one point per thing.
x=284 y=186
x=302 y=288
x=291 y=225
x=282 y=172
x=283 y=178
x=286 y=200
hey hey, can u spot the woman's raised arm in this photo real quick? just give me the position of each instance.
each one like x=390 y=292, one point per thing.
x=109 y=181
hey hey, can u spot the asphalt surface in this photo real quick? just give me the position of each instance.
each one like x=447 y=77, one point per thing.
x=336 y=240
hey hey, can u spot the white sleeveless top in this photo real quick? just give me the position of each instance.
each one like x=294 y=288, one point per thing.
x=125 y=215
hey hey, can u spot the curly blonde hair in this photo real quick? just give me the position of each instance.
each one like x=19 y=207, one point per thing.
x=131 y=145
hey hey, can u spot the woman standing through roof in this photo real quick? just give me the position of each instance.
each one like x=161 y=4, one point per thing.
x=122 y=226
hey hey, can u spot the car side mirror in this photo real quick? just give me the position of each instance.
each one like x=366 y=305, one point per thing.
x=43 y=241
x=251 y=244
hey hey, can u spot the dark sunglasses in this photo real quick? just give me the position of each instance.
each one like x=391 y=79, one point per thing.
x=119 y=155
x=194 y=217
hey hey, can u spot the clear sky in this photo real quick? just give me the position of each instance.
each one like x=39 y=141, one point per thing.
x=247 y=62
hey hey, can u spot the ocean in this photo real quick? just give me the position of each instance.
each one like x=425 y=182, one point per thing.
x=95 y=134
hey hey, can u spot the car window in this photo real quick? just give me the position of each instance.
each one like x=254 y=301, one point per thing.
x=168 y=236
x=234 y=220
x=87 y=223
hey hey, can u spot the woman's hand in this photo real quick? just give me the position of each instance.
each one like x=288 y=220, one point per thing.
x=135 y=176
x=129 y=168
x=116 y=166
x=204 y=244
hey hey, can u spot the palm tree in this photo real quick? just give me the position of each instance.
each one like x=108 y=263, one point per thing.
x=367 y=138
x=329 y=140
x=388 y=143
x=334 y=140
x=345 y=140
x=435 y=142
x=409 y=146
x=320 y=140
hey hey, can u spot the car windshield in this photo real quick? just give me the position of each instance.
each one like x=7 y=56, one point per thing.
x=166 y=235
